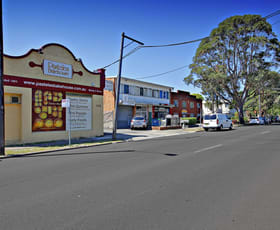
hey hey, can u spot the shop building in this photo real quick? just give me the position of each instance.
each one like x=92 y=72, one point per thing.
x=137 y=98
x=35 y=84
x=185 y=105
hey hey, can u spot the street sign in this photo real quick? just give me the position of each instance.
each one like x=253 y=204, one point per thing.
x=65 y=103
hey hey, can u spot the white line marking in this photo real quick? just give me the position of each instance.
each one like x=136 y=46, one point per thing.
x=265 y=132
x=208 y=148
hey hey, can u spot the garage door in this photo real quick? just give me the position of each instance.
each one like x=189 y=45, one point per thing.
x=124 y=117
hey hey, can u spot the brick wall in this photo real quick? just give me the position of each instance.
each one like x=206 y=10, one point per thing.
x=181 y=97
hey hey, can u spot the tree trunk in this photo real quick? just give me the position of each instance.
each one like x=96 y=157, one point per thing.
x=241 y=114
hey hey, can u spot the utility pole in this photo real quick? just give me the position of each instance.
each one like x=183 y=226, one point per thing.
x=2 y=118
x=117 y=90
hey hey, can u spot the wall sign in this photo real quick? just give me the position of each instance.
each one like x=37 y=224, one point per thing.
x=49 y=85
x=81 y=113
x=47 y=113
x=57 y=69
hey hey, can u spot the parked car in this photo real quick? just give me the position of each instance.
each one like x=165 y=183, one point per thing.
x=138 y=122
x=255 y=121
x=216 y=121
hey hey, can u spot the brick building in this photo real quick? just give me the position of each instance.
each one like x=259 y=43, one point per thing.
x=185 y=105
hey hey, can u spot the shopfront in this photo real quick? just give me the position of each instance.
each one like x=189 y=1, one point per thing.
x=35 y=85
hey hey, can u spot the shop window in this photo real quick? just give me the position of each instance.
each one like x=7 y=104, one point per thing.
x=191 y=105
x=184 y=104
x=176 y=103
x=126 y=89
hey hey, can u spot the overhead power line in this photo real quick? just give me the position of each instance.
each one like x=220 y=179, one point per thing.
x=160 y=74
x=175 y=44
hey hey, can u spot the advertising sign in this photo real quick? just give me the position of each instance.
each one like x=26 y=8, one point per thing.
x=81 y=113
x=65 y=103
x=47 y=112
x=57 y=69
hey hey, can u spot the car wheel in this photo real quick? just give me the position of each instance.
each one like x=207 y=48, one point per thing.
x=230 y=127
x=206 y=129
x=219 y=128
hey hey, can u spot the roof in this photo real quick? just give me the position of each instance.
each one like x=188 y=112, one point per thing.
x=134 y=80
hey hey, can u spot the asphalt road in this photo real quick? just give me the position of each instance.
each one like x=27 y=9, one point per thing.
x=201 y=181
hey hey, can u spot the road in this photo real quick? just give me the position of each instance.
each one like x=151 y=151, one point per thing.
x=200 y=181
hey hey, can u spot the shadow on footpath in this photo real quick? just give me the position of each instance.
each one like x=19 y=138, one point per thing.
x=61 y=143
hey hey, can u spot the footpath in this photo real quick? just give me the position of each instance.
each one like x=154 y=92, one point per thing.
x=122 y=136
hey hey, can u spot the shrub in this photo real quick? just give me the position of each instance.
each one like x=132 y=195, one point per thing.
x=192 y=120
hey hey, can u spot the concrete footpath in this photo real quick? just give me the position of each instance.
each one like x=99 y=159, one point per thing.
x=122 y=135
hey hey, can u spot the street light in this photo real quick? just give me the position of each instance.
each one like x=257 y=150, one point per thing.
x=114 y=133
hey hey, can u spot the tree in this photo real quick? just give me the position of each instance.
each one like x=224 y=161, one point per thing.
x=233 y=61
x=198 y=96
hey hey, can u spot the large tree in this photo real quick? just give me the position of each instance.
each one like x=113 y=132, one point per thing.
x=233 y=61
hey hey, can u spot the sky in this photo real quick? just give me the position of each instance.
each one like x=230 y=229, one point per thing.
x=92 y=30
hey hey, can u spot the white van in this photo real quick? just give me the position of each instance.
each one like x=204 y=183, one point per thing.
x=216 y=121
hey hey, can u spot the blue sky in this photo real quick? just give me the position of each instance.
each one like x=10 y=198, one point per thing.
x=92 y=31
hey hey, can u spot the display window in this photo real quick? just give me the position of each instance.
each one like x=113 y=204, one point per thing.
x=47 y=113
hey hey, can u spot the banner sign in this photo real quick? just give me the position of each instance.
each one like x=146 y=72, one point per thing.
x=47 y=113
x=81 y=113
x=49 y=85
x=57 y=69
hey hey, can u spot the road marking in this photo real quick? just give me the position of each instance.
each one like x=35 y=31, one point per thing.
x=208 y=148
x=265 y=132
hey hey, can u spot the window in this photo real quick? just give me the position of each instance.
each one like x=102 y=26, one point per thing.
x=198 y=105
x=126 y=89
x=167 y=96
x=191 y=105
x=145 y=92
x=176 y=103
x=184 y=104
x=141 y=91
x=150 y=93
x=155 y=93
x=160 y=94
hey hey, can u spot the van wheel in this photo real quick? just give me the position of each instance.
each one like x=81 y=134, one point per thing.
x=230 y=127
x=219 y=128
x=206 y=129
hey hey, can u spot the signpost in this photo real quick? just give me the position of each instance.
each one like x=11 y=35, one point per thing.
x=66 y=103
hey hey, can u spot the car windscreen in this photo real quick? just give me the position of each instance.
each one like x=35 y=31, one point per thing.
x=138 y=118
x=210 y=117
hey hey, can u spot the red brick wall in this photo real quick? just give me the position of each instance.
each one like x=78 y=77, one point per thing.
x=181 y=96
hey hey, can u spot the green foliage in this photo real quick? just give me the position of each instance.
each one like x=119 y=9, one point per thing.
x=198 y=96
x=192 y=120
x=234 y=61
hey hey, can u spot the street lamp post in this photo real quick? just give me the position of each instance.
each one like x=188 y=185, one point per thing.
x=117 y=90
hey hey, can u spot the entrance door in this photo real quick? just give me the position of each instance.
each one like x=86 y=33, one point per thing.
x=124 y=117
x=12 y=123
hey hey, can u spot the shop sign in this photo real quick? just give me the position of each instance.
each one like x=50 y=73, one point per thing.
x=81 y=113
x=47 y=112
x=49 y=85
x=57 y=69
